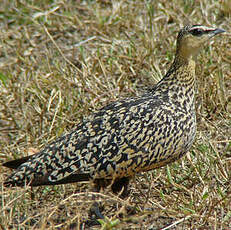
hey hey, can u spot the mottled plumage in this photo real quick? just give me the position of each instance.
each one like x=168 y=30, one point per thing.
x=128 y=136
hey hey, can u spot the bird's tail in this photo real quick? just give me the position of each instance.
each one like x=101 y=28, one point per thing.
x=23 y=176
x=14 y=164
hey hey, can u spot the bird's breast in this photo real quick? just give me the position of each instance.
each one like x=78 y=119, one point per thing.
x=174 y=138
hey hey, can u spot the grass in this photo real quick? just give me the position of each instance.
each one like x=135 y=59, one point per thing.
x=62 y=60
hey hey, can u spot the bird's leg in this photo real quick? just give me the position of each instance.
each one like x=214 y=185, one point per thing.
x=95 y=208
x=121 y=184
x=117 y=185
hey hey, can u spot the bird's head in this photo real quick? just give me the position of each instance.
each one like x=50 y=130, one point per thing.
x=191 y=38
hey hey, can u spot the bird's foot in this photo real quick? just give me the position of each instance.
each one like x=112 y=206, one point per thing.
x=94 y=215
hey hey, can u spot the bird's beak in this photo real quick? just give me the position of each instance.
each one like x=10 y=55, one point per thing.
x=216 y=31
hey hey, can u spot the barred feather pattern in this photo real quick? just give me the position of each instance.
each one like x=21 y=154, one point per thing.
x=127 y=136
x=123 y=138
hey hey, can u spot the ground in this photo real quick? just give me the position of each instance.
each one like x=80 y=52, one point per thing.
x=62 y=60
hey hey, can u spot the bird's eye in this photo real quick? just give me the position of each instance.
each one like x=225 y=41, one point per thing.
x=196 y=32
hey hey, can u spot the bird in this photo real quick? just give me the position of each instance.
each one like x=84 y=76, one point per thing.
x=128 y=136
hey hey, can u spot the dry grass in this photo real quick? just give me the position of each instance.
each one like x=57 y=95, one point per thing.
x=61 y=60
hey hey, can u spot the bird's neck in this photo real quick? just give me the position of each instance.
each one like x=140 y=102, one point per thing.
x=178 y=83
x=182 y=72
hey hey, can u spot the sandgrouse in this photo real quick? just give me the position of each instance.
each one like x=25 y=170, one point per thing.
x=128 y=136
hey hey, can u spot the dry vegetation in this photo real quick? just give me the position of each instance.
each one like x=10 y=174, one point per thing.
x=62 y=60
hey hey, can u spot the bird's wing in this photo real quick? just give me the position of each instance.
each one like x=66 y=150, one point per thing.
x=114 y=146
x=98 y=147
